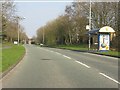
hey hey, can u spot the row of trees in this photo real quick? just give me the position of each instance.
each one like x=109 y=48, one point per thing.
x=70 y=28
x=10 y=22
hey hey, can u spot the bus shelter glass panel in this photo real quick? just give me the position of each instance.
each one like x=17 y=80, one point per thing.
x=104 y=42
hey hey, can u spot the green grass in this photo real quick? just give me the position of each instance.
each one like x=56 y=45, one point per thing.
x=73 y=47
x=113 y=53
x=85 y=47
x=12 y=55
x=6 y=44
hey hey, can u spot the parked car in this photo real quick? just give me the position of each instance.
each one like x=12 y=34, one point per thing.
x=15 y=42
x=41 y=44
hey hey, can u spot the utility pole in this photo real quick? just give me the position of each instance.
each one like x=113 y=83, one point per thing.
x=43 y=36
x=90 y=25
x=18 y=26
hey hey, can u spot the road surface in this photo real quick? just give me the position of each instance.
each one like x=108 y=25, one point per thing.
x=56 y=68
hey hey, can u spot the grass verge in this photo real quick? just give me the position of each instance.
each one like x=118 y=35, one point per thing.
x=73 y=47
x=85 y=48
x=11 y=56
x=113 y=53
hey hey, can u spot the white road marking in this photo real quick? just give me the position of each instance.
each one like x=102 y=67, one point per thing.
x=83 y=64
x=109 y=78
x=46 y=50
x=58 y=53
x=66 y=56
x=100 y=55
x=50 y=51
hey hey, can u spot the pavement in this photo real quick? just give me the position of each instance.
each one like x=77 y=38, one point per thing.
x=44 y=67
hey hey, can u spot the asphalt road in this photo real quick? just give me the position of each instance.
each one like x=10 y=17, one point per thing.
x=56 y=68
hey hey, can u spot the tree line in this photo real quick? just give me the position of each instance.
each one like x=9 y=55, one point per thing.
x=10 y=22
x=70 y=27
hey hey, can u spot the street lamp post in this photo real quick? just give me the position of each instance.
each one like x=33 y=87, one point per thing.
x=18 y=30
x=18 y=18
x=43 y=36
x=90 y=25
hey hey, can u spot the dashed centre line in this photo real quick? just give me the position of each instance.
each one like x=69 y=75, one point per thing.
x=100 y=55
x=70 y=58
x=83 y=64
x=66 y=57
x=86 y=66
x=58 y=53
x=109 y=78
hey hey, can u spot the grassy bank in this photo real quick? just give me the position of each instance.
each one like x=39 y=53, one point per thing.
x=11 y=55
x=85 y=48
x=113 y=53
x=73 y=47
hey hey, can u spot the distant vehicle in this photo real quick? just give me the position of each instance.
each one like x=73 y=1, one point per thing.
x=41 y=44
x=37 y=43
x=15 y=42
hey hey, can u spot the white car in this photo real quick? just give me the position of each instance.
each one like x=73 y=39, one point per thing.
x=15 y=42
x=41 y=44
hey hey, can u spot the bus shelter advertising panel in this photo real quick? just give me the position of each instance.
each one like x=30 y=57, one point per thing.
x=104 y=42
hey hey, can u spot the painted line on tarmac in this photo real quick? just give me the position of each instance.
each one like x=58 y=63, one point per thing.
x=109 y=78
x=46 y=50
x=51 y=51
x=82 y=64
x=100 y=55
x=67 y=57
x=58 y=53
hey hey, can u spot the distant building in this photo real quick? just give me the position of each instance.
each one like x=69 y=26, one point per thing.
x=31 y=41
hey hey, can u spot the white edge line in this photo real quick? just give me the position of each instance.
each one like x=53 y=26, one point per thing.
x=58 y=53
x=109 y=78
x=66 y=56
x=100 y=55
x=83 y=64
x=50 y=51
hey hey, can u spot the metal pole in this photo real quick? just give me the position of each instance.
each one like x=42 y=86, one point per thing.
x=18 y=31
x=43 y=35
x=18 y=18
x=90 y=25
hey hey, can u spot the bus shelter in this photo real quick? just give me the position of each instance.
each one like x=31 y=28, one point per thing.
x=103 y=37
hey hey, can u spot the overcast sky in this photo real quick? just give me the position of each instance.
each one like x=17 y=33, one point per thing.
x=37 y=14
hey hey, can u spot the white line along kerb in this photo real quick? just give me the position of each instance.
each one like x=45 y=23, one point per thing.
x=110 y=78
x=66 y=56
x=58 y=53
x=83 y=64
